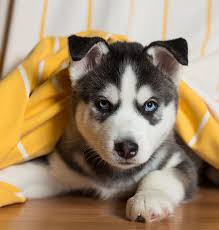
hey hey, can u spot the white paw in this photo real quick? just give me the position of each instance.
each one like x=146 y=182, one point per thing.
x=151 y=205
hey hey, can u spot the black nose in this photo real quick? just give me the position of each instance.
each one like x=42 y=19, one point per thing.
x=126 y=149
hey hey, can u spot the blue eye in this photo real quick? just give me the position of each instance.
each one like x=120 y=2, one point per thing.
x=150 y=106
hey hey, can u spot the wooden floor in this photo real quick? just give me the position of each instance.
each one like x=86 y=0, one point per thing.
x=84 y=213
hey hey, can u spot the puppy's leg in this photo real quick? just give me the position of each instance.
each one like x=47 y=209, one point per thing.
x=160 y=192
x=34 y=178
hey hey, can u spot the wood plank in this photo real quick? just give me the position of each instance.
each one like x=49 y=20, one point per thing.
x=85 y=213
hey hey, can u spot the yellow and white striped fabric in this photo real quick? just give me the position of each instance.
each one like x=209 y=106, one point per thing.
x=34 y=95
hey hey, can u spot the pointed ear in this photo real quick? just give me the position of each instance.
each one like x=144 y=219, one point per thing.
x=167 y=55
x=86 y=53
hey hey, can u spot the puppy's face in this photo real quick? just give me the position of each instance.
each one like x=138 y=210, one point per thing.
x=127 y=98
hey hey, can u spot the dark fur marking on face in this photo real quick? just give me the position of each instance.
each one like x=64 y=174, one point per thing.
x=162 y=86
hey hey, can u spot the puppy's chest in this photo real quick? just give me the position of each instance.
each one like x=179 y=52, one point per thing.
x=108 y=186
x=78 y=175
x=116 y=190
x=116 y=184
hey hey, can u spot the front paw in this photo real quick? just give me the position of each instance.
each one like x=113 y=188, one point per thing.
x=152 y=205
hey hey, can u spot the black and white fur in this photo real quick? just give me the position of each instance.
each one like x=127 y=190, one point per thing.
x=162 y=173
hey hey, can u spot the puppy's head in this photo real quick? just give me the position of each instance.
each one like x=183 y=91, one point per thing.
x=127 y=95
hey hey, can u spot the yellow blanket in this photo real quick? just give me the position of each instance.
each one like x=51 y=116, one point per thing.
x=34 y=97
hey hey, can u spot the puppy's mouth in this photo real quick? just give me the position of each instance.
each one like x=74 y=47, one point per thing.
x=126 y=163
x=123 y=163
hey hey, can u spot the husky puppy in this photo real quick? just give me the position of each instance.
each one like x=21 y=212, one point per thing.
x=120 y=141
